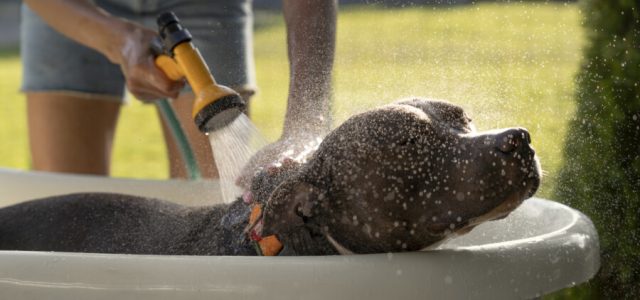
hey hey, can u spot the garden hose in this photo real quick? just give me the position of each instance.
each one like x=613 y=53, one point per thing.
x=186 y=152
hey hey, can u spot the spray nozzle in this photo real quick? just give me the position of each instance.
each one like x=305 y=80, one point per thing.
x=215 y=106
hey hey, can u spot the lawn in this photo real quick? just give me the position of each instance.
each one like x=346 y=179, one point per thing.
x=506 y=64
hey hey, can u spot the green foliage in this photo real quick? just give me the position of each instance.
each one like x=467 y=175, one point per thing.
x=601 y=176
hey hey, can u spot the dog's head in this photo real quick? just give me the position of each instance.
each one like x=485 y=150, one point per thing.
x=403 y=177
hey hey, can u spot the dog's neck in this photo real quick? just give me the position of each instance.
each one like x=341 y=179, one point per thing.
x=304 y=241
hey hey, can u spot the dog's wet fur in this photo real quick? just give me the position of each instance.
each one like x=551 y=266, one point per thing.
x=402 y=177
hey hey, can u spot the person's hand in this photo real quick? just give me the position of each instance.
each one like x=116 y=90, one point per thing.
x=123 y=42
x=287 y=149
x=143 y=78
x=265 y=181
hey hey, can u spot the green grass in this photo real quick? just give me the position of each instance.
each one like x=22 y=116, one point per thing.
x=13 y=134
x=508 y=65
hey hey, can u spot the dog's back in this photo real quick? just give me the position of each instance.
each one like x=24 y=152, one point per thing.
x=113 y=223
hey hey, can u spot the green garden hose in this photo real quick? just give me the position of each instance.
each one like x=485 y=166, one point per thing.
x=171 y=119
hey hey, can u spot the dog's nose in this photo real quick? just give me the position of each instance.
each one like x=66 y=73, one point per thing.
x=512 y=139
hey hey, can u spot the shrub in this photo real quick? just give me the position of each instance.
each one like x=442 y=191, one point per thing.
x=601 y=173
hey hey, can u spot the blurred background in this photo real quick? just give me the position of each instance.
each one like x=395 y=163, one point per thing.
x=507 y=63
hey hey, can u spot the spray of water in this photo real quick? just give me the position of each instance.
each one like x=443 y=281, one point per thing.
x=232 y=147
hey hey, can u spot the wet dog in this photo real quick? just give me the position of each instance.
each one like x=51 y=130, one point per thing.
x=402 y=177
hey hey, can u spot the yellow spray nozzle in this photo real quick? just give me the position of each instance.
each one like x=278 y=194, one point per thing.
x=215 y=105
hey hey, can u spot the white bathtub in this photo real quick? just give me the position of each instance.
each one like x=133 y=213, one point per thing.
x=541 y=247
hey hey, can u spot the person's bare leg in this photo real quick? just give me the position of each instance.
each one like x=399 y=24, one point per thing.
x=70 y=133
x=199 y=142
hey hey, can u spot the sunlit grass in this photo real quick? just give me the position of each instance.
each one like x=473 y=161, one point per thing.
x=508 y=65
x=13 y=133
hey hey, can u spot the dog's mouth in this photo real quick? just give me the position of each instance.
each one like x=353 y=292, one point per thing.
x=531 y=182
x=526 y=189
x=498 y=213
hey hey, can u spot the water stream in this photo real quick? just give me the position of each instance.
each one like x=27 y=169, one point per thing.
x=232 y=148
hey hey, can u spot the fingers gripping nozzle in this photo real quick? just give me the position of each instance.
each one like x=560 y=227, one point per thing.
x=215 y=106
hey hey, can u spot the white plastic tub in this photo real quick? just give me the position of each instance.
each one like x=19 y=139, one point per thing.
x=541 y=247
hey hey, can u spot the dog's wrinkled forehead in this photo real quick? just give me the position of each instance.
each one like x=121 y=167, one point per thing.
x=441 y=113
x=412 y=117
x=407 y=125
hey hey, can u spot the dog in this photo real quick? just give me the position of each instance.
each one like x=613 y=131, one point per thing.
x=402 y=177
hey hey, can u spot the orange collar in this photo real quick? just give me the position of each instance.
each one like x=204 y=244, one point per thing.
x=265 y=246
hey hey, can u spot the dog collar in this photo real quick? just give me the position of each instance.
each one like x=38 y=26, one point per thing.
x=265 y=246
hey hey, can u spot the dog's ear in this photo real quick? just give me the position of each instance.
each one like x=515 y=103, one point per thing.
x=290 y=206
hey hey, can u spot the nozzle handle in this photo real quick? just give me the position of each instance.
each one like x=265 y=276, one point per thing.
x=164 y=61
x=169 y=67
x=163 y=56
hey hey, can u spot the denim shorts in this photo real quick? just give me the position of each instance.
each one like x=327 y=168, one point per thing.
x=221 y=29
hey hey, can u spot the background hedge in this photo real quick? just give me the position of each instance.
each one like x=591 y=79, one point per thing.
x=601 y=175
